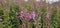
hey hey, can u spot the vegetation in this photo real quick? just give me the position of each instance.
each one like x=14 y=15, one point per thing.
x=29 y=15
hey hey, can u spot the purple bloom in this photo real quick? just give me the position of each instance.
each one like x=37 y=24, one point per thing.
x=21 y=14
x=33 y=14
x=28 y=16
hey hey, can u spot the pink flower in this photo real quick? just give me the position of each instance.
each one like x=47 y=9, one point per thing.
x=47 y=15
x=21 y=14
x=28 y=16
x=33 y=14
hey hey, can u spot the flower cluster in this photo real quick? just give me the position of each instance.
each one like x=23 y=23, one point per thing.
x=21 y=15
x=28 y=16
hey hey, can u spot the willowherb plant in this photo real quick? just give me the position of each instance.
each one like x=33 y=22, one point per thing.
x=28 y=16
x=21 y=15
x=33 y=14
